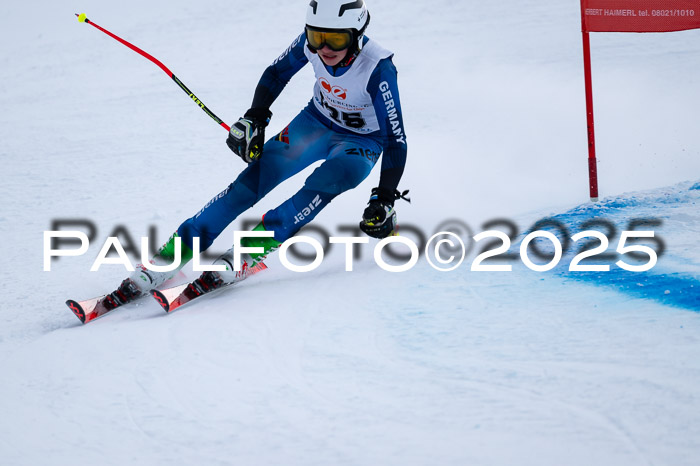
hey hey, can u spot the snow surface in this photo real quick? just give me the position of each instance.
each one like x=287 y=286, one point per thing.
x=367 y=367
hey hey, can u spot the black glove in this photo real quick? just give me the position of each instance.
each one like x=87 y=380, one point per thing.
x=379 y=218
x=247 y=135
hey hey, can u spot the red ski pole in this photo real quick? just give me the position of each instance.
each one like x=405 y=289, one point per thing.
x=83 y=19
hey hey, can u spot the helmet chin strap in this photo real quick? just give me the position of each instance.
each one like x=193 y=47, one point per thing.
x=357 y=48
x=349 y=57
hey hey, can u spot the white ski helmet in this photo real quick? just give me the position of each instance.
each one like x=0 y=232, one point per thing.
x=340 y=14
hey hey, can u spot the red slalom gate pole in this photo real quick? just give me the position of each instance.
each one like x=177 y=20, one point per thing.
x=83 y=19
x=592 y=163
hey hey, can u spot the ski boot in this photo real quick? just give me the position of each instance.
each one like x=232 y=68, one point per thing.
x=145 y=280
x=250 y=264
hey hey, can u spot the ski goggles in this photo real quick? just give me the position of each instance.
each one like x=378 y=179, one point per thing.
x=335 y=39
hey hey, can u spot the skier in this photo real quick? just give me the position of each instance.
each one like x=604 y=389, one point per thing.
x=353 y=117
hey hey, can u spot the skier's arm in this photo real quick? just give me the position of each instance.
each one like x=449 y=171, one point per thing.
x=379 y=218
x=384 y=91
x=277 y=75
x=247 y=136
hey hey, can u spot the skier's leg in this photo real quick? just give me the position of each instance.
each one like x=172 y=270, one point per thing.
x=303 y=142
x=299 y=145
x=350 y=161
x=348 y=164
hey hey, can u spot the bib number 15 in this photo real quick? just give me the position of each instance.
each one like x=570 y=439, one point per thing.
x=351 y=120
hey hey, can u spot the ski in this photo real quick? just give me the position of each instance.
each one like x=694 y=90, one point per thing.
x=177 y=296
x=91 y=309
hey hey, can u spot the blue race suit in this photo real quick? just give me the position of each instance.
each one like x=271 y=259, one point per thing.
x=310 y=137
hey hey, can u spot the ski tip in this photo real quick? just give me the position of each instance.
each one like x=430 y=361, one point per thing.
x=162 y=300
x=77 y=309
x=82 y=17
